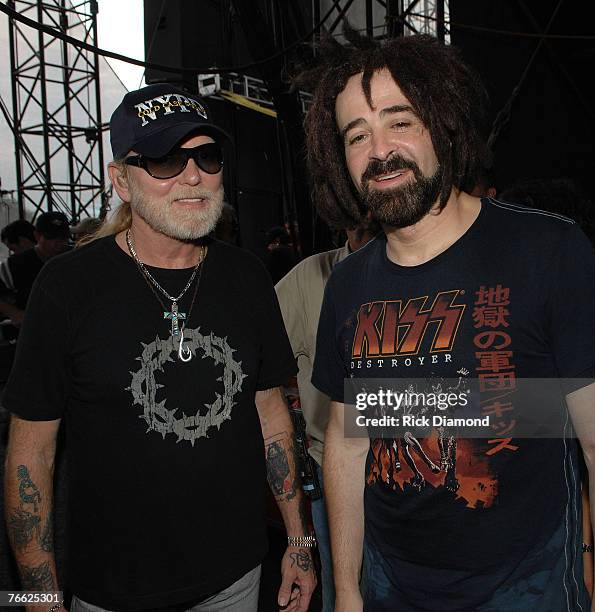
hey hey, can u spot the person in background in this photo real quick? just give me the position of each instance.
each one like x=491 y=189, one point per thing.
x=280 y=256
x=18 y=236
x=228 y=228
x=485 y=185
x=84 y=229
x=19 y=271
x=300 y=294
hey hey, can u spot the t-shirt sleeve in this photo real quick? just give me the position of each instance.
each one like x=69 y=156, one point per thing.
x=38 y=386
x=277 y=364
x=329 y=371
x=571 y=306
x=293 y=310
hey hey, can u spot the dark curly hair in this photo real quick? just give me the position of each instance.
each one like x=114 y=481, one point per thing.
x=446 y=94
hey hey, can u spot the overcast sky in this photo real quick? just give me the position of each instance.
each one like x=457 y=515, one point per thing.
x=120 y=29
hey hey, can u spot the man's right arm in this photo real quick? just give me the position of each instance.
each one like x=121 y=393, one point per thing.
x=28 y=495
x=344 y=478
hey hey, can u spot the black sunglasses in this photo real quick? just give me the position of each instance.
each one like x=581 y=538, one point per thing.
x=208 y=157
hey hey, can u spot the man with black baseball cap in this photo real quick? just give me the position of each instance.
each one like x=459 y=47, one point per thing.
x=19 y=271
x=166 y=363
x=153 y=120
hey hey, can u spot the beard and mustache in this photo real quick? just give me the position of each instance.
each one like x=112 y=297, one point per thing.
x=406 y=204
x=162 y=215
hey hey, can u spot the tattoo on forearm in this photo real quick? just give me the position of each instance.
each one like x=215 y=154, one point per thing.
x=25 y=521
x=302 y=559
x=47 y=537
x=278 y=466
x=28 y=491
x=279 y=473
x=37 y=578
x=22 y=526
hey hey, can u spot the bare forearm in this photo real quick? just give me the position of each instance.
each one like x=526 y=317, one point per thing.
x=297 y=567
x=344 y=477
x=282 y=463
x=29 y=520
x=283 y=477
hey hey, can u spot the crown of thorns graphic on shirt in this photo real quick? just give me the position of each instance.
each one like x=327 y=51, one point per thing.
x=161 y=418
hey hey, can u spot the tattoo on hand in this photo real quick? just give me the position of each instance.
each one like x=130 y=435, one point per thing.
x=37 y=578
x=302 y=559
x=22 y=526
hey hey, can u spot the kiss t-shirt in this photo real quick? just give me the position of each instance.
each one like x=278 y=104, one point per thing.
x=512 y=298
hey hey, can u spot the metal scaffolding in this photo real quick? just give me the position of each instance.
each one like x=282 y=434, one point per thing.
x=268 y=33
x=378 y=18
x=248 y=87
x=56 y=118
x=386 y=18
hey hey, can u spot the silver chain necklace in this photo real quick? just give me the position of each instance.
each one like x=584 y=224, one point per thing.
x=174 y=315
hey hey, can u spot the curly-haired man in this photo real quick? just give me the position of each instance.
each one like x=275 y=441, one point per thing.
x=457 y=287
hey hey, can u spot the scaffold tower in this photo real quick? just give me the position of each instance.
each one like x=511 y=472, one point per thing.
x=56 y=118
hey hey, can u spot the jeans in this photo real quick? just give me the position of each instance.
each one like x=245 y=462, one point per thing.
x=321 y=529
x=547 y=580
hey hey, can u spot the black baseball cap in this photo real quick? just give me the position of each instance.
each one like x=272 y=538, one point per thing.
x=53 y=225
x=154 y=119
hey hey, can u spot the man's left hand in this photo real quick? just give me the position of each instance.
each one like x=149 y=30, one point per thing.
x=299 y=579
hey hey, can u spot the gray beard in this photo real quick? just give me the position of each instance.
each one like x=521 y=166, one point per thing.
x=180 y=224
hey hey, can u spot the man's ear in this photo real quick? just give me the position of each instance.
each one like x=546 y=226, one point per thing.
x=119 y=178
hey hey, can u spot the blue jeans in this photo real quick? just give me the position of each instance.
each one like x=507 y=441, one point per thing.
x=547 y=580
x=320 y=521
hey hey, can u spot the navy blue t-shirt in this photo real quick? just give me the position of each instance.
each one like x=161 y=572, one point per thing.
x=513 y=297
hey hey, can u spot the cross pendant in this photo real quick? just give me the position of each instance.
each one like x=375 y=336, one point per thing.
x=175 y=316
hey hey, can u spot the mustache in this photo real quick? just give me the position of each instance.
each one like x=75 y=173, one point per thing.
x=394 y=162
x=190 y=193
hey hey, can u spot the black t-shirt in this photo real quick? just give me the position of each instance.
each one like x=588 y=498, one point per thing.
x=513 y=296
x=24 y=268
x=166 y=458
x=280 y=261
